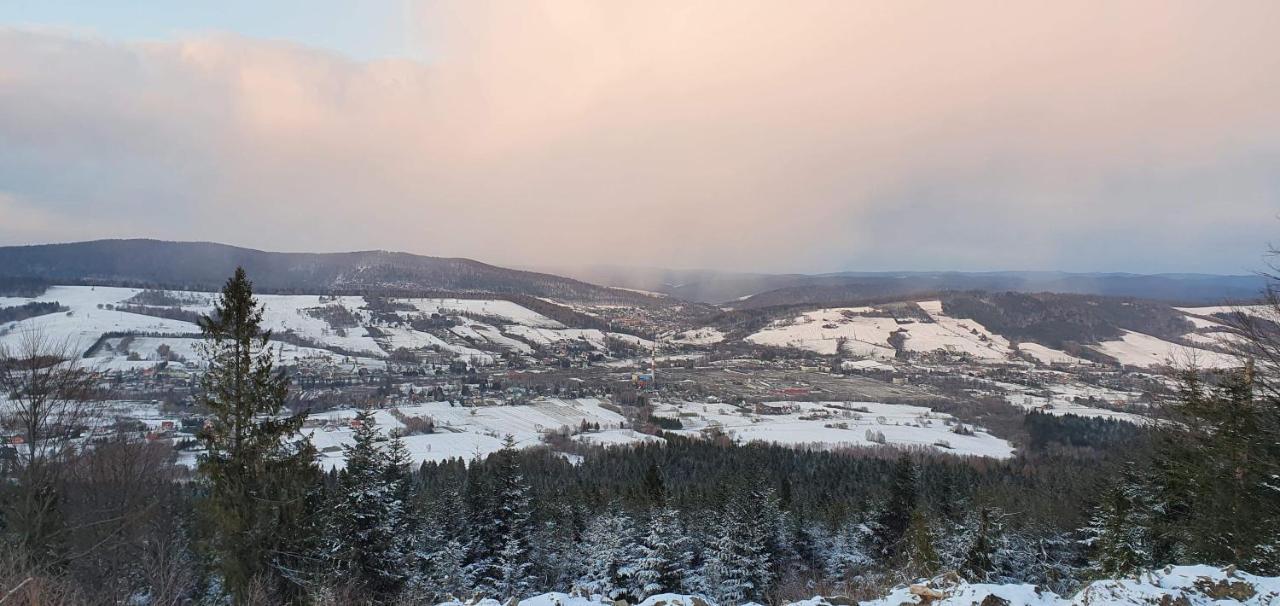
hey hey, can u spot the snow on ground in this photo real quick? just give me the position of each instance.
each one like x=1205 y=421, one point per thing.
x=495 y=336
x=699 y=336
x=820 y=330
x=1181 y=585
x=1137 y=349
x=467 y=432
x=867 y=364
x=396 y=337
x=288 y=312
x=1251 y=310
x=506 y=310
x=615 y=437
x=954 y=334
x=1047 y=355
x=1061 y=399
x=1184 y=585
x=836 y=424
x=593 y=337
x=85 y=323
x=868 y=335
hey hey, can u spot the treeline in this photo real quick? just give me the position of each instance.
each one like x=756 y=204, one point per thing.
x=11 y=286
x=25 y=311
x=1057 y=320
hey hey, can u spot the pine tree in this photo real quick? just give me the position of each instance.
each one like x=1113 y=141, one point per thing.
x=738 y=566
x=847 y=552
x=256 y=470
x=1217 y=500
x=663 y=557
x=979 y=545
x=607 y=555
x=368 y=532
x=499 y=551
x=1119 y=532
x=440 y=550
x=904 y=497
x=917 y=553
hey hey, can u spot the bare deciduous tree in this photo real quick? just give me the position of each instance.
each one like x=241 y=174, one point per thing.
x=46 y=400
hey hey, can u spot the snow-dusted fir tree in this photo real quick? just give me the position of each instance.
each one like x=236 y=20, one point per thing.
x=440 y=550
x=1119 y=532
x=555 y=548
x=663 y=557
x=847 y=552
x=368 y=532
x=606 y=554
x=918 y=556
x=499 y=552
x=738 y=565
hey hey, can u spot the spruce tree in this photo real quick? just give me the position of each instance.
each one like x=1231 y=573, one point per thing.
x=255 y=469
x=498 y=560
x=368 y=533
x=904 y=497
x=663 y=557
x=440 y=550
x=1118 y=535
x=917 y=554
x=738 y=566
x=607 y=555
x=1216 y=498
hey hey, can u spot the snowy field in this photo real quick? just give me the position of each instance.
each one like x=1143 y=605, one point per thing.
x=699 y=336
x=86 y=321
x=506 y=310
x=1061 y=399
x=466 y=433
x=1146 y=351
x=471 y=341
x=866 y=333
x=837 y=424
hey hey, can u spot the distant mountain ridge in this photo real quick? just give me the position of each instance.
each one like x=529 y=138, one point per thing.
x=750 y=290
x=206 y=265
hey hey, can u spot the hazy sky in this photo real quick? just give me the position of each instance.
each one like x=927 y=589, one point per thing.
x=769 y=136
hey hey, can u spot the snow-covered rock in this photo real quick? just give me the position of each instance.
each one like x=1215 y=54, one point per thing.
x=1171 y=586
x=1180 y=585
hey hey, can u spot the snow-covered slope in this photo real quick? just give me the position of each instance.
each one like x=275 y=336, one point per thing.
x=865 y=331
x=1137 y=349
x=838 y=424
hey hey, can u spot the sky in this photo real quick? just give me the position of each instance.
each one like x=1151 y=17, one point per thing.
x=752 y=135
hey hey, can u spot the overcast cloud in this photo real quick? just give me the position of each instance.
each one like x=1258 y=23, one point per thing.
x=769 y=136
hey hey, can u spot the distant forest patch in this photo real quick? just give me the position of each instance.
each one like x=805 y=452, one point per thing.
x=1054 y=320
x=22 y=287
x=30 y=310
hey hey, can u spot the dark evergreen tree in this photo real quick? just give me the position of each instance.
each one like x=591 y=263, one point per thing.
x=607 y=555
x=663 y=560
x=1215 y=492
x=1119 y=533
x=499 y=552
x=917 y=554
x=368 y=530
x=256 y=470
x=904 y=497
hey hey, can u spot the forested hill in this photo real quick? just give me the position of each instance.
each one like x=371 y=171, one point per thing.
x=204 y=266
x=1190 y=289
